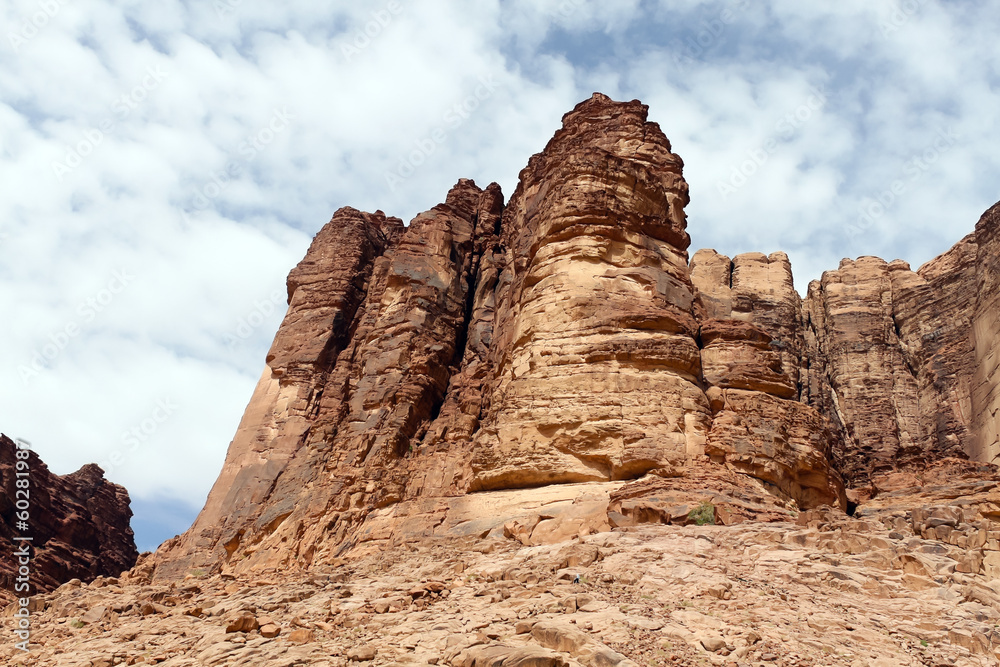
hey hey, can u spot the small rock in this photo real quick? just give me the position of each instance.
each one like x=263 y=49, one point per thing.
x=721 y=591
x=714 y=643
x=362 y=653
x=94 y=615
x=270 y=631
x=523 y=627
x=148 y=609
x=302 y=636
x=242 y=622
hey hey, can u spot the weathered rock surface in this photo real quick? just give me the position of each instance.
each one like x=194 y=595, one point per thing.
x=595 y=362
x=557 y=367
x=78 y=523
x=757 y=289
x=986 y=333
x=889 y=588
x=893 y=358
x=326 y=291
x=873 y=390
x=753 y=358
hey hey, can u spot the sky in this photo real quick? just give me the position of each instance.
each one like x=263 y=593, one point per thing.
x=164 y=165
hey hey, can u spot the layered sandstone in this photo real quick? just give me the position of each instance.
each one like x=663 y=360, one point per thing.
x=893 y=358
x=753 y=359
x=78 y=523
x=986 y=333
x=556 y=365
x=359 y=367
x=595 y=364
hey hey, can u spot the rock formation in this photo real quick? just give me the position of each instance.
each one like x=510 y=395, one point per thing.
x=79 y=523
x=986 y=334
x=556 y=366
x=594 y=363
x=536 y=432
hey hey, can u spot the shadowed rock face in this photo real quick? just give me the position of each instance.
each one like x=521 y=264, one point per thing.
x=986 y=333
x=429 y=380
x=79 y=524
x=894 y=354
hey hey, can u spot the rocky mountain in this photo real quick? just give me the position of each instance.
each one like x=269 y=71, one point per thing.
x=78 y=523
x=536 y=431
x=564 y=340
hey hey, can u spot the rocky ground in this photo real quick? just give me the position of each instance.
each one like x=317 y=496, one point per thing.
x=823 y=590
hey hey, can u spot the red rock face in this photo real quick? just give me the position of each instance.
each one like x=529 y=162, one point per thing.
x=986 y=333
x=894 y=358
x=424 y=377
x=873 y=392
x=327 y=291
x=754 y=361
x=380 y=322
x=79 y=524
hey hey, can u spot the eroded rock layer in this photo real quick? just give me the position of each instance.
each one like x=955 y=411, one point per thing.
x=556 y=366
x=986 y=333
x=893 y=359
x=595 y=362
x=78 y=524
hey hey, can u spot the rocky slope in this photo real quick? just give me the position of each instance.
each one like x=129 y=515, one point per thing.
x=888 y=588
x=79 y=523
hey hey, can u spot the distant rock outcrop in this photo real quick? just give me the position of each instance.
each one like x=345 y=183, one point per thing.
x=78 y=523
x=429 y=380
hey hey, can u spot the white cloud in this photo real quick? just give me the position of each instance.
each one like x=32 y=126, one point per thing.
x=362 y=88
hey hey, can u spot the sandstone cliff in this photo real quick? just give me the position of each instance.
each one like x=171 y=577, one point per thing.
x=492 y=437
x=986 y=334
x=79 y=523
x=557 y=365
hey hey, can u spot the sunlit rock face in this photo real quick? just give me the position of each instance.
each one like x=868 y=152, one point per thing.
x=596 y=364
